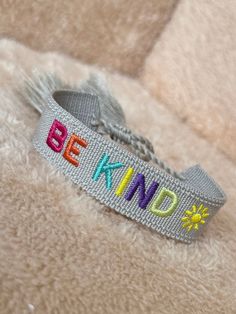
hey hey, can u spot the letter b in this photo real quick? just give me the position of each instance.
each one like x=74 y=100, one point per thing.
x=57 y=136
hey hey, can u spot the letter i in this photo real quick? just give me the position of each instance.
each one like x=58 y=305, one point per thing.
x=125 y=181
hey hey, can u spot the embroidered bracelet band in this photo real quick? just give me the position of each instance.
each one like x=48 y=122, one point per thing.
x=176 y=208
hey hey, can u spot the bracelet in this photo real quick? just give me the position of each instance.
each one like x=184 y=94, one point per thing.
x=67 y=137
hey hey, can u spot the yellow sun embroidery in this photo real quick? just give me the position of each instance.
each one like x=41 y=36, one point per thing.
x=194 y=217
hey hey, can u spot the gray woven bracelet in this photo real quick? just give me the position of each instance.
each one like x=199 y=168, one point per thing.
x=177 y=206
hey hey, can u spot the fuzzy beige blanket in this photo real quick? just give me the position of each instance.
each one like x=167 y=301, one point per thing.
x=63 y=252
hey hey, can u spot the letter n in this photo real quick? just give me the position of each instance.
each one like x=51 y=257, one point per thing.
x=144 y=196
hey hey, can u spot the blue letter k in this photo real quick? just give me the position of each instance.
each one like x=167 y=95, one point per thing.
x=103 y=166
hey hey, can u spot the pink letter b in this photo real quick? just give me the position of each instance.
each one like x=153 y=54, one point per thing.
x=57 y=136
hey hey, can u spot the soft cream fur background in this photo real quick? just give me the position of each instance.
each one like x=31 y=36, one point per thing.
x=192 y=69
x=62 y=252
x=115 y=34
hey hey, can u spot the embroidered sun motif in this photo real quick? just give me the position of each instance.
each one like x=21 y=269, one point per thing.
x=194 y=217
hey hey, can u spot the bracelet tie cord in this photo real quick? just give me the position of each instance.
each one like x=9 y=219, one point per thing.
x=67 y=137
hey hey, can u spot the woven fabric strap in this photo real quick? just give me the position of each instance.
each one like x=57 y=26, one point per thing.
x=66 y=137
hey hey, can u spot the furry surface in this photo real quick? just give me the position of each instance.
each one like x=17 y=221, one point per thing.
x=62 y=252
x=116 y=34
x=192 y=69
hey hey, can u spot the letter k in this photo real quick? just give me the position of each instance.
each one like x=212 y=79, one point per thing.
x=104 y=167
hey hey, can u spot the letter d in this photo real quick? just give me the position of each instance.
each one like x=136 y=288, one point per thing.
x=155 y=207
